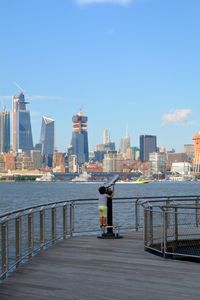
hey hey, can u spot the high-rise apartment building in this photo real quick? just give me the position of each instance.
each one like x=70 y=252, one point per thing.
x=22 y=133
x=5 y=131
x=148 y=144
x=47 y=140
x=158 y=162
x=113 y=162
x=73 y=164
x=79 y=143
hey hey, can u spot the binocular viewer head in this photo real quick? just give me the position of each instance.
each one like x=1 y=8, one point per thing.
x=107 y=187
x=111 y=181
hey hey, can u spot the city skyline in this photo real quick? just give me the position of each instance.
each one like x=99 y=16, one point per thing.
x=123 y=139
x=140 y=67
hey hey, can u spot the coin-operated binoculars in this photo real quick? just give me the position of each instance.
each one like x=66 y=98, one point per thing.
x=111 y=231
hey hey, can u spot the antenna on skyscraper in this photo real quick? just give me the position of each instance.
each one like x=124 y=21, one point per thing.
x=19 y=87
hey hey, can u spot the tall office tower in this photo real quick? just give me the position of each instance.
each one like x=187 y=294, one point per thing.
x=80 y=138
x=22 y=133
x=125 y=143
x=47 y=141
x=148 y=144
x=5 y=131
x=106 y=136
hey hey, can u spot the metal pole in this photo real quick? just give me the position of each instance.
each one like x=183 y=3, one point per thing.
x=4 y=246
x=164 y=233
x=109 y=216
x=64 y=221
x=30 y=234
x=17 y=239
x=136 y=215
x=145 y=236
x=151 y=224
x=197 y=212
x=71 y=219
x=42 y=228
x=53 y=224
x=176 y=223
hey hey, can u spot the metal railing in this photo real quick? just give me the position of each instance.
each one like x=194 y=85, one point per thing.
x=24 y=232
x=173 y=229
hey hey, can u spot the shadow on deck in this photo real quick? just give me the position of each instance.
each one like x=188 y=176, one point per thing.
x=85 y=267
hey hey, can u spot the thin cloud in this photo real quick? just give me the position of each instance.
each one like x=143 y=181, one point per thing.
x=178 y=116
x=120 y=2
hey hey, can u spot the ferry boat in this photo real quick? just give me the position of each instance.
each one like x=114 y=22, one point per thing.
x=46 y=177
x=83 y=177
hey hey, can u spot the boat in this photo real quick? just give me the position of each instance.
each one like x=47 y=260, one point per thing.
x=46 y=177
x=83 y=177
x=141 y=180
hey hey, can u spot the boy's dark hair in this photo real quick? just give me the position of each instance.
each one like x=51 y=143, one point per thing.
x=102 y=190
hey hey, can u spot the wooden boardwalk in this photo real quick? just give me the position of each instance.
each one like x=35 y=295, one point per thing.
x=87 y=268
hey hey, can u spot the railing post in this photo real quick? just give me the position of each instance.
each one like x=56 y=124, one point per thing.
x=197 y=211
x=30 y=234
x=136 y=215
x=53 y=224
x=17 y=239
x=42 y=228
x=4 y=246
x=176 y=224
x=64 y=221
x=164 y=232
x=145 y=227
x=151 y=224
x=71 y=218
x=167 y=215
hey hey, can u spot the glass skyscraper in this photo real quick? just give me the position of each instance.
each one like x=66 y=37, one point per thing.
x=5 y=131
x=22 y=133
x=148 y=144
x=79 y=143
x=47 y=140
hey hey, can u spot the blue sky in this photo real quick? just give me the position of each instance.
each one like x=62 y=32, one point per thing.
x=125 y=63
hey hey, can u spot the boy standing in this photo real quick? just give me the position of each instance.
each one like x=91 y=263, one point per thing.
x=103 y=197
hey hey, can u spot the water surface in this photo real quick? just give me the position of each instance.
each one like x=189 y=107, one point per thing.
x=14 y=195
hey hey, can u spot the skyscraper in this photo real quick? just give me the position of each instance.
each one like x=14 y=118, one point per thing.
x=125 y=143
x=148 y=144
x=5 y=131
x=22 y=133
x=47 y=140
x=80 y=138
x=106 y=136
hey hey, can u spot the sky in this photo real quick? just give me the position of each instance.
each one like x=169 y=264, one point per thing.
x=126 y=63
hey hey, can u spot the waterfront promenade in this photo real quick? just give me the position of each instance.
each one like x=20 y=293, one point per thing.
x=85 y=267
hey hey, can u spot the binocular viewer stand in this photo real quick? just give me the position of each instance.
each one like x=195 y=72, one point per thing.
x=110 y=231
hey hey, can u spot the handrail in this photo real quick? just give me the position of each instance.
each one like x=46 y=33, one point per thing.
x=41 y=225
x=137 y=198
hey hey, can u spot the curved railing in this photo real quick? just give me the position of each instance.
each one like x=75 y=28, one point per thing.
x=173 y=229
x=24 y=232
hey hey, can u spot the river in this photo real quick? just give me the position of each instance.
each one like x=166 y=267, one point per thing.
x=15 y=195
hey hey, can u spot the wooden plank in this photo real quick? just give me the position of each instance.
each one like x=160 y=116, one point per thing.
x=90 y=268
